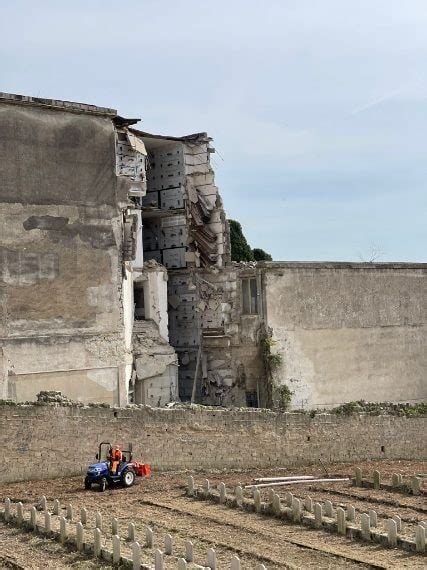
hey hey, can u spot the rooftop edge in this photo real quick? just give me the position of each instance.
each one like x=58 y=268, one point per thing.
x=56 y=104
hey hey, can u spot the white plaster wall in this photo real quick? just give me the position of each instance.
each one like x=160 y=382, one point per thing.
x=347 y=334
x=128 y=320
x=156 y=300
x=138 y=262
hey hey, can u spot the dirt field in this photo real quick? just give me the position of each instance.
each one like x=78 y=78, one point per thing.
x=161 y=503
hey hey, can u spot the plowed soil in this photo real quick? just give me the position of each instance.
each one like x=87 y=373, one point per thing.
x=161 y=503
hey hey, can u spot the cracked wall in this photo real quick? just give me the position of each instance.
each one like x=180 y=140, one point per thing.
x=208 y=325
x=61 y=321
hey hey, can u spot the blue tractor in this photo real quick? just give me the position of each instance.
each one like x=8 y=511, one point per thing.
x=111 y=470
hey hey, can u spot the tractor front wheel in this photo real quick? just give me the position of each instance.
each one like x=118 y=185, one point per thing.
x=103 y=484
x=128 y=478
x=88 y=484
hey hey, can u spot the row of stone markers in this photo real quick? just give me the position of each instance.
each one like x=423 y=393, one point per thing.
x=14 y=513
x=314 y=515
x=413 y=486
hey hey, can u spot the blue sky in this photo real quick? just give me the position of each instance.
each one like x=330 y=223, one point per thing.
x=317 y=108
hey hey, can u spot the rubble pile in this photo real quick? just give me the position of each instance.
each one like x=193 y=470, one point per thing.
x=54 y=397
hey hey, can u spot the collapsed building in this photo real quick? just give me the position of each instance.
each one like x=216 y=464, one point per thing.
x=117 y=285
x=72 y=180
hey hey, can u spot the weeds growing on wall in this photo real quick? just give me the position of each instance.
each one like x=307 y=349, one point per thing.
x=280 y=395
x=381 y=408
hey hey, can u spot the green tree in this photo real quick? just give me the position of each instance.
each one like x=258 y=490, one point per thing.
x=261 y=255
x=240 y=249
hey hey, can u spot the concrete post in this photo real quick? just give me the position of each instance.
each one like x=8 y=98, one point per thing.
x=257 y=500
x=420 y=538
x=189 y=551
x=79 y=536
x=270 y=495
x=373 y=518
x=341 y=523
x=416 y=485
x=114 y=526
x=239 y=495
x=261 y=567
x=83 y=515
x=377 y=480
x=69 y=512
x=400 y=478
x=136 y=556
x=358 y=476
x=398 y=522
x=20 y=512
x=365 y=526
x=149 y=537
x=222 y=491
x=206 y=486
x=391 y=533
x=158 y=560
x=56 y=507
x=288 y=499
x=43 y=503
x=63 y=534
x=98 y=521
x=351 y=513
x=296 y=510
x=168 y=544
x=277 y=509
x=329 y=509
x=33 y=518
x=47 y=522
x=131 y=532
x=7 y=508
x=395 y=480
x=182 y=564
x=97 y=542
x=308 y=504
x=235 y=563
x=318 y=515
x=211 y=559
x=116 y=549
x=190 y=485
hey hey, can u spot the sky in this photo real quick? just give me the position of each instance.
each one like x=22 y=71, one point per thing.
x=317 y=108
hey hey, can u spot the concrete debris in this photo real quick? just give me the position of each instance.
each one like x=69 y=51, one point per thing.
x=54 y=397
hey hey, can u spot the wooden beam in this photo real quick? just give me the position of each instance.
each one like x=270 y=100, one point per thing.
x=295 y=482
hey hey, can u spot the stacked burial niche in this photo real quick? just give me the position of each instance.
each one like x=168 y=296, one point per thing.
x=185 y=229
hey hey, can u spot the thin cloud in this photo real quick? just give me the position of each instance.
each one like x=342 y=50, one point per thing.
x=378 y=101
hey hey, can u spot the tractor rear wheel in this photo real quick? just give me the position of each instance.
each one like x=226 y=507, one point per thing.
x=88 y=483
x=103 y=484
x=128 y=478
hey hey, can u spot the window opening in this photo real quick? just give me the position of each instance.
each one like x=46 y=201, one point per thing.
x=250 y=296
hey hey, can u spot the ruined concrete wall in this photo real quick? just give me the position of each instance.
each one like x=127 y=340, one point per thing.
x=61 y=321
x=199 y=438
x=205 y=306
x=185 y=229
x=184 y=222
x=347 y=332
x=156 y=366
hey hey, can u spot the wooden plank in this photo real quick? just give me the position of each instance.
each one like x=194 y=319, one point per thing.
x=295 y=482
x=290 y=478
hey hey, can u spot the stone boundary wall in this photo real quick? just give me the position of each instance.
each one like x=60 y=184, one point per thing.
x=46 y=441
